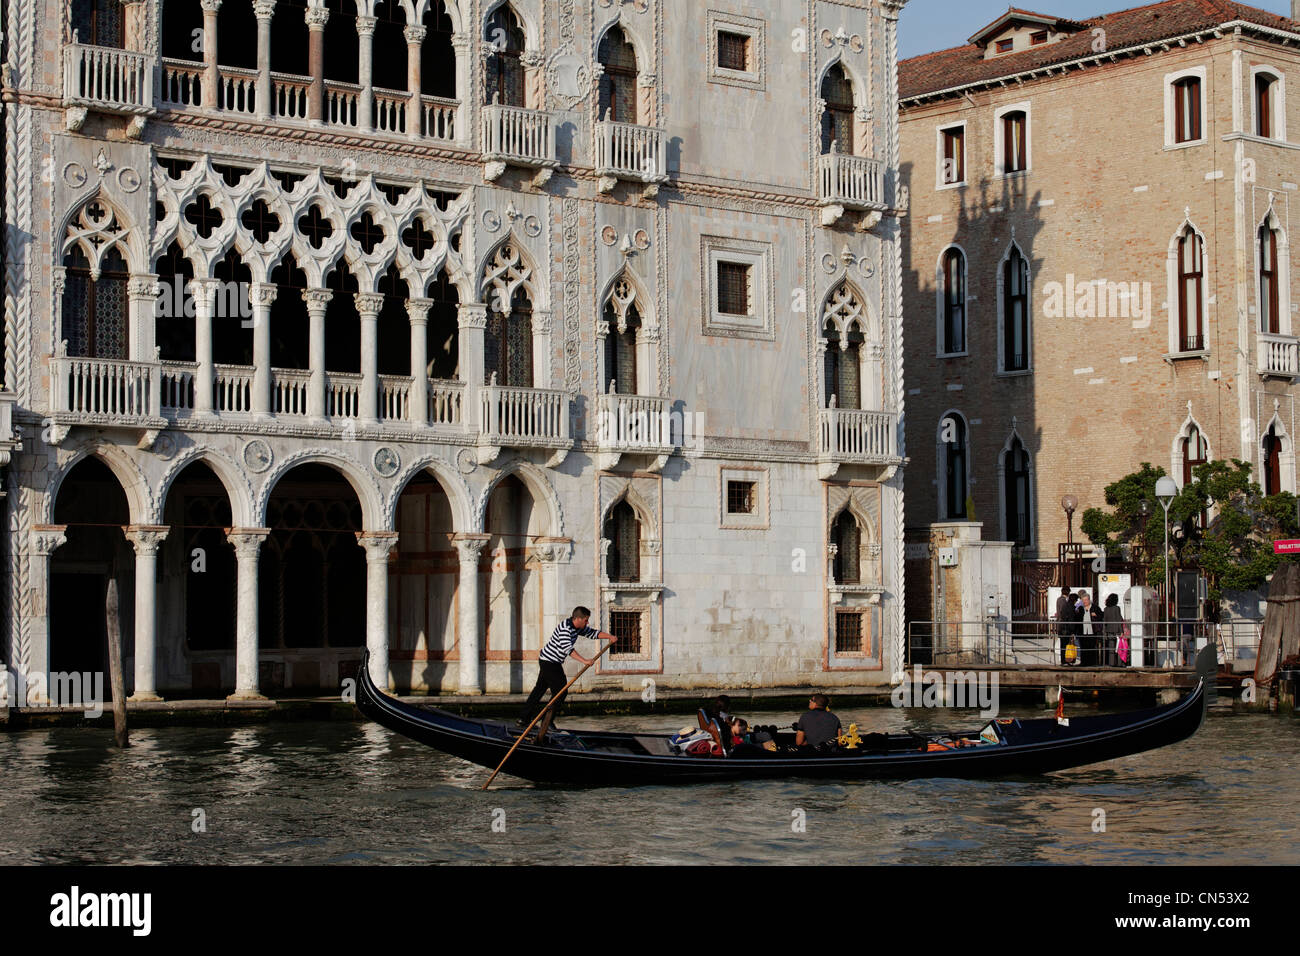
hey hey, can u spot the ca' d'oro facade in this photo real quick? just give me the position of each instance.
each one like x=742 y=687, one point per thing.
x=1097 y=268
x=410 y=326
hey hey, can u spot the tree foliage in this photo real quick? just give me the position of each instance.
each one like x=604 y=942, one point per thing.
x=1234 y=546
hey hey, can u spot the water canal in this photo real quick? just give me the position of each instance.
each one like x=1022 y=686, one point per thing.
x=351 y=792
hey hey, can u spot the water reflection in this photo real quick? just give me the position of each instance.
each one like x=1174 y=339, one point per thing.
x=340 y=792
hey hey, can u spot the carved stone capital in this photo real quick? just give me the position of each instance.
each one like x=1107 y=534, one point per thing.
x=414 y=34
x=369 y=303
x=45 y=538
x=462 y=43
x=316 y=18
x=203 y=291
x=247 y=541
x=532 y=59
x=263 y=9
x=58 y=280
x=317 y=299
x=210 y=6
x=262 y=294
x=471 y=315
x=378 y=544
x=366 y=26
x=470 y=547
x=141 y=287
x=418 y=310
x=542 y=321
x=147 y=538
x=553 y=550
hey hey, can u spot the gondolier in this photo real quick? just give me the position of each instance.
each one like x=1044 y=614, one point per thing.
x=551 y=659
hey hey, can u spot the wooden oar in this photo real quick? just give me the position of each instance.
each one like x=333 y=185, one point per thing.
x=549 y=704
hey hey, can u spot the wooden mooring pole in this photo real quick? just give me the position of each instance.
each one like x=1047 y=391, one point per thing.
x=115 y=678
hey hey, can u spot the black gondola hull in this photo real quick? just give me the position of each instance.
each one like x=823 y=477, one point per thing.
x=596 y=758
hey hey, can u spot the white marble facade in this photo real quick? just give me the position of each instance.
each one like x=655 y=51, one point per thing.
x=711 y=228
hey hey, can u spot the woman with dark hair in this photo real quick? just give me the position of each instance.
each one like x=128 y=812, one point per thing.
x=1113 y=622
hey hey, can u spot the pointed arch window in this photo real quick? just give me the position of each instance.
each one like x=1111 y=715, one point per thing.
x=508 y=342
x=622 y=324
x=618 y=97
x=847 y=538
x=505 y=69
x=623 y=530
x=837 y=120
x=1016 y=488
x=94 y=320
x=1191 y=289
x=1015 y=312
x=952 y=437
x=1196 y=451
x=844 y=368
x=1271 y=471
x=1270 y=315
x=954 y=302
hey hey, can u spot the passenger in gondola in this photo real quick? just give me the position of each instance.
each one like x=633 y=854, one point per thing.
x=818 y=729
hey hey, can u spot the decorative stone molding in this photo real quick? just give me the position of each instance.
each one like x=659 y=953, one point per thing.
x=265 y=9
x=145 y=538
x=369 y=303
x=317 y=300
x=471 y=315
x=46 y=538
x=378 y=544
x=414 y=34
x=247 y=541
x=470 y=546
x=553 y=550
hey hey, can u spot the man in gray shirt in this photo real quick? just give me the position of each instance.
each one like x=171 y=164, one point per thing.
x=819 y=725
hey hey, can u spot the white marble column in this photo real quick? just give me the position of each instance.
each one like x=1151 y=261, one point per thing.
x=146 y=539
x=41 y=544
x=142 y=293
x=264 y=10
x=316 y=18
x=471 y=317
x=318 y=301
x=379 y=545
x=204 y=292
x=365 y=72
x=468 y=640
x=418 y=406
x=415 y=109
x=248 y=546
x=211 y=77
x=261 y=295
x=463 y=45
x=368 y=306
x=135 y=26
x=541 y=348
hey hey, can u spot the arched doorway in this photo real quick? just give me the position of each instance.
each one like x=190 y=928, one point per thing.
x=423 y=587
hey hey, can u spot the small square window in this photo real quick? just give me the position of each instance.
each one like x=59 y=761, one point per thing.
x=1038 y=38
x=848 y=632
x=626 y=626
x=1004 y=46
x=740 y=497
x=733 y=51
x=733 y=288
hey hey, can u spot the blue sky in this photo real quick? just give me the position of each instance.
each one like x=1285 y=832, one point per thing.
x=929 y=25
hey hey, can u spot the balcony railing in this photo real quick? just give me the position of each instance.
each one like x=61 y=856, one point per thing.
x=289 y=95
x=446 y=402
x=182 y=83
x=850 y=435
x=109 y=391
x=856 y=182
x=342 y=394
x=238 y=90
x=108 y=78
x=177 y=384
x=524 y=417
x=390 y=111
x=289 y=391
x=394 y=398
x=1279 y=355
x=342 y=101
x=629 y=151
x=634 y=423
x=514 y=134
x=439 y=118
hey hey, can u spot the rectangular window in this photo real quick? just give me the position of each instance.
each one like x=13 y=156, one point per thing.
x=626 y=626
x=733 y=288
x=1004 y=46
x=848 y=632
x=1187 y=110
x=1264 y=105
x=1013 y=142
x=740 y=497
x=1038 y=38
x=1015 y=317
x=733 y=51
x=954 y=156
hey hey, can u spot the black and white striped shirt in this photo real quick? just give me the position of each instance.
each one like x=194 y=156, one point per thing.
x=560 y=646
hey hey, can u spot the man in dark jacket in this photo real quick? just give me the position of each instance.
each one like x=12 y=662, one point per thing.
x=819 y=726
x=1064 y=613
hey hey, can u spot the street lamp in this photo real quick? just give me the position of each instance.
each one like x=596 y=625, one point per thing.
x=1166 y=491
x=1069 y=503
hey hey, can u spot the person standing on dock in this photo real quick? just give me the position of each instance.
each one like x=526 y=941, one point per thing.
x=551 y=659
x=1064 y=616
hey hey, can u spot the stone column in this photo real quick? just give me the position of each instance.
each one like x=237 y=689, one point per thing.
x=365 y=71
x=264 y=10
x=261 y=295
x=142 y=293
x=318 y=301
x=368 y=306
x=534 y=71
x=146 y=539
x=44 y=539
x=415 y=109
x=463 y=45
x=248 y=547
x=316 y=18
x=211 y=78
x=418 y=406
x=379 y=545
x=471 y=317
x=135 y=25
x=541 y=348
x=204 y=292
x=468 y=640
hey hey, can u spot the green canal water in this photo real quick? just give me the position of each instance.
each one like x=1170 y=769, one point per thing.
x=341 y=792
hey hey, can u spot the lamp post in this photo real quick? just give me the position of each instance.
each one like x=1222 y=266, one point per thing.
x=1166 y=491
x=1069 y=503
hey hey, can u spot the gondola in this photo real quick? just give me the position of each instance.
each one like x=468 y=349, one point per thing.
x=599 y=758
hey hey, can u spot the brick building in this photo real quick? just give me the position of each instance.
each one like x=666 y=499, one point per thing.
x=1097 y=269
x=409 y=324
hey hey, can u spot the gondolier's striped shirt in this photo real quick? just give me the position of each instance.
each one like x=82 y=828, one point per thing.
x=560 y=646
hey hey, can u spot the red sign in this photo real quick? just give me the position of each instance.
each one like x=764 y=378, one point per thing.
x=1291 y=546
